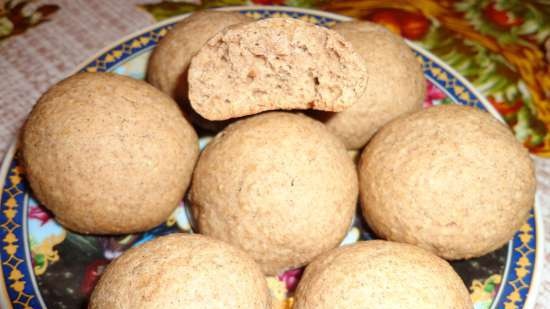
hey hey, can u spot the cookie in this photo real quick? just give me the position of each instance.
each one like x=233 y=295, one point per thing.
x=108 y=154
x=396 y=84
x=169 y=62
x=278 y=185
x=167 y=67
x=275 y=63
x=383 y=275
x=182 y=271
x=450 y=179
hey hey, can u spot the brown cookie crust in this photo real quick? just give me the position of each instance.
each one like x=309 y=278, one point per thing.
x=396 y=83
x=450 y=179
x=382 y=275
x=108 y=154
x=182 y=271
x=278 y=185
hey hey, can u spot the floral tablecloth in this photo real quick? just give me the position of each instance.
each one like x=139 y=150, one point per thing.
x=499 y=45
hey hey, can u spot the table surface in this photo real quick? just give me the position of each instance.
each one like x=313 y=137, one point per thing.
x=42 y=42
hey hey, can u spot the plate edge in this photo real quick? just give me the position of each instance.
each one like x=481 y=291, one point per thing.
x=4 y=169
x=538 y=268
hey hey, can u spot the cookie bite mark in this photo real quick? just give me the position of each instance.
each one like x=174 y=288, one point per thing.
x=273 y=64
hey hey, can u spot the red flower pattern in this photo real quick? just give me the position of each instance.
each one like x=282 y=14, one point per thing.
x=40 y=214
x=433 y=93
x=291 y=278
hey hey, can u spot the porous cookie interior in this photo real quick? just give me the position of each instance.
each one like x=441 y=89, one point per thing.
x=274 y=64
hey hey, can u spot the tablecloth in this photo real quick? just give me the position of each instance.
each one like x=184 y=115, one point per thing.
x=496 y=44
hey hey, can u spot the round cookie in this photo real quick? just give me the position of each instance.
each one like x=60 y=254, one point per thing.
x=274 y=63
x=108 y=154
x=383 y=275
x=396 y=83
x=278 y=185
x=167 y=67
x=182 y=271
x=450 y=179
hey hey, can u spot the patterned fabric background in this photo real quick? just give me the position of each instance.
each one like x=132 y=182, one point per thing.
x=499 y=45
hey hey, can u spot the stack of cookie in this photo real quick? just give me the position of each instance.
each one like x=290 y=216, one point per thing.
x=276 y=188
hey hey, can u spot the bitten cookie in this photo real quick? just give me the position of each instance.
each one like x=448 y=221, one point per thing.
x=169 y=62
x=396 y=84
x=182 y=271
x=108 y=154
x=278 y=185
x=167 y=67
x=275 y=63
x=383 y=275
x=450 y=179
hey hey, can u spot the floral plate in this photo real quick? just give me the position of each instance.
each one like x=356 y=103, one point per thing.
x=45 y=266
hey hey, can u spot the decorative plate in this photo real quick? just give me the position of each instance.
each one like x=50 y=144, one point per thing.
x=45 y=266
